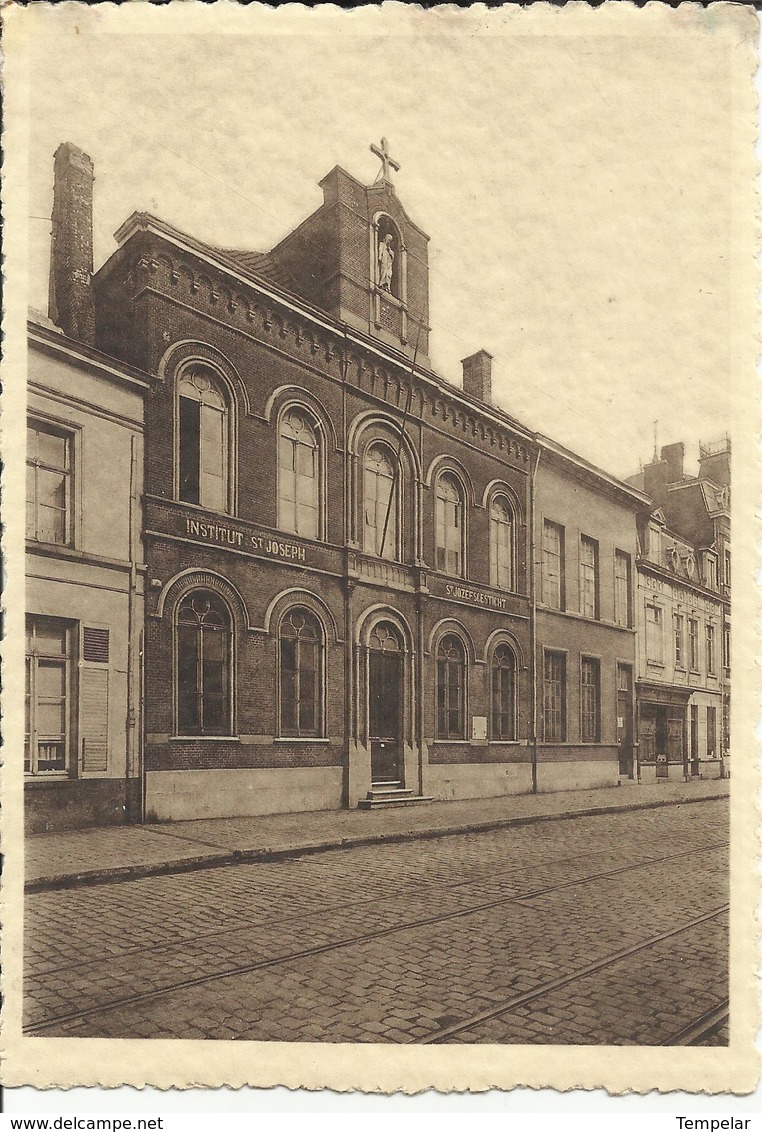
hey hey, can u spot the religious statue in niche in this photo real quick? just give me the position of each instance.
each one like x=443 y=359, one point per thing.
x=385 y=261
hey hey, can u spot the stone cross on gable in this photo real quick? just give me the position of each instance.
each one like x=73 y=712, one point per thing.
x=387 y=162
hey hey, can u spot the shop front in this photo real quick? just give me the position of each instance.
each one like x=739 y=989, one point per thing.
x=663 y=733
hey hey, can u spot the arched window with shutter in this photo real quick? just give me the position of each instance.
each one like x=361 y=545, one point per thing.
x=203 y=440
x=501 y=544
x=451 y=688
x=298 y=475
x=449 y=525
x=203 y=665
x=380 y=507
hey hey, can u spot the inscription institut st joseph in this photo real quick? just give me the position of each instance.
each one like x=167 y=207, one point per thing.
x=229 y=536
x=223 y=535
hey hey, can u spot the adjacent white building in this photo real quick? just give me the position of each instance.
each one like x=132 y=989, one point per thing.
x=84 y=584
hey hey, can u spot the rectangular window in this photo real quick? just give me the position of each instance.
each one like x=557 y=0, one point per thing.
x=554 y=697
x=677 y=623
x=726 y=646
x=590 y=700
x=654 y=635
x=693 y=643
x=727 y=567
x=48 y=484
x=710 y=658
x=48 y=696
x=711 y=732
x=622 y=612
x=553 y=565
x=711 y=572
x=588 y=577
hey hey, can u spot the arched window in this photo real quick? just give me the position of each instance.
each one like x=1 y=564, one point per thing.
x=380 y=504
x=501 y=544
x=203 y=441
x=301 y=676
x=203 y=665
x=298 y=476
x=451 y=688
x=449 y=525
x=503 y=694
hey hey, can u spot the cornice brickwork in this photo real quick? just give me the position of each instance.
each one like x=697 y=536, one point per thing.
x=149 y=269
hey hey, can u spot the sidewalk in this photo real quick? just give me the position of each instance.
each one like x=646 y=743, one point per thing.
x=107 y=854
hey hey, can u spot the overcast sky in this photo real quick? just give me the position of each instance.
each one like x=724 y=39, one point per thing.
x=576 y=191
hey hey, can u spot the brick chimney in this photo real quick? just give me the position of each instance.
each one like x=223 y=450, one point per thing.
x=477 y=375
x=70 y=303
x=673 y=456
x=655 y=480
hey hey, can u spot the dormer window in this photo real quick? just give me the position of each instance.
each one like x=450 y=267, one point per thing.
x=710 y=571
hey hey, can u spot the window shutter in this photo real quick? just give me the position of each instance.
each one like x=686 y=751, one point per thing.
x=95 y=645
x=93 y=700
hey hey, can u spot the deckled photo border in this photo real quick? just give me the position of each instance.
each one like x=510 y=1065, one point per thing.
x=47 y=1062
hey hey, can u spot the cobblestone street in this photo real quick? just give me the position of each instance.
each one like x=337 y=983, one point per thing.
x=608 y=929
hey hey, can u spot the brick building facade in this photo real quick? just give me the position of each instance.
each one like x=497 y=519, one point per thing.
x=353 y=594
x=338 y=600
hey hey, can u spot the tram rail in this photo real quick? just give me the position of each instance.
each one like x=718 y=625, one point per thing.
x=365 y=901
x=702 y=1027
x=408 y=925
x=557 y=984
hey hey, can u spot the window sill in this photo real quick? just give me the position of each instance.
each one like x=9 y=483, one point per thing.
x=301 y=739
x=49 y=776
x=196 y=507
x=543 y=607
x=382 y=293
x=457 y=742
x=204 y=739
x=655 y=663
x=53 y=547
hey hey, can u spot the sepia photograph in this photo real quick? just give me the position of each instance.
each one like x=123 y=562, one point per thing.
x=387 y=380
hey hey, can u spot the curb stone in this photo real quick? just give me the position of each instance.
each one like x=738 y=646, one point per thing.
x=253 y=856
